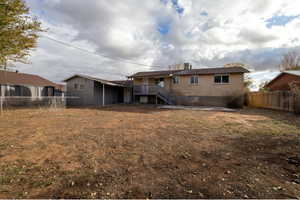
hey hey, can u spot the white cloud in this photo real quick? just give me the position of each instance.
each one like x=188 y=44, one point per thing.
x=229 y=31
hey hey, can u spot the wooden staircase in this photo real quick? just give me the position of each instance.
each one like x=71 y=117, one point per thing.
x=164 y=95
x=155 y=90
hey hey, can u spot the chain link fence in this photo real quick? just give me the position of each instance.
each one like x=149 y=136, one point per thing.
x=7 y=103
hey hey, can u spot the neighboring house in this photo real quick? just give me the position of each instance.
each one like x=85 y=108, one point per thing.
x=284 y=81
x=28 y=85
x=92 y=91
x=206 y=86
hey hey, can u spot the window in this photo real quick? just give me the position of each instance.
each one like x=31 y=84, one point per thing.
x=221 y=79
x=194 y=80
x=160 y=82
x=81 y=87
x=75 y=86
x=175 y=80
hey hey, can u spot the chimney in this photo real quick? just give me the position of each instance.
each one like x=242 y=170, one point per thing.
x=187 y=66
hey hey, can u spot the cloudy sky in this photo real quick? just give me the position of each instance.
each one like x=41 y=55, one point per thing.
x=159 y=33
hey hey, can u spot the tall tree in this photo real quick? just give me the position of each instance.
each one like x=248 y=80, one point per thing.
x=248 y=82
x=18 y=31
x=290 y=61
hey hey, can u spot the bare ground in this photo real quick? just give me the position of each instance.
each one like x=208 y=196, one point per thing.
x=144 y=152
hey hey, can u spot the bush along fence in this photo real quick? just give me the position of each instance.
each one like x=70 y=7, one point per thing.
x=278 y=100
x=26 y=102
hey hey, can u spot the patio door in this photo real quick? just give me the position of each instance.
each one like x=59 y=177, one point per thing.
x=161 y=82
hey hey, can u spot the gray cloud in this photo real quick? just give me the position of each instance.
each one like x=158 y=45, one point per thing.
x=255 y=37
x=230 y=32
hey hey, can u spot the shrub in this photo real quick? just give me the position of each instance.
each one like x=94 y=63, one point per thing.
x=235 y=101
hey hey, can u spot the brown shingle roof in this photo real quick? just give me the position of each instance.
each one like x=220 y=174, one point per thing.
x=14 y=78
x=155 y=73
x=200 y=71
x=219 y=70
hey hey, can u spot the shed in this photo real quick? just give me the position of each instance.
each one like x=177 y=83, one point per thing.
x=93 y=91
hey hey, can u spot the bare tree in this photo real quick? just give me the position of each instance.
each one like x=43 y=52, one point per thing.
x=290 y=61
x=263 y=86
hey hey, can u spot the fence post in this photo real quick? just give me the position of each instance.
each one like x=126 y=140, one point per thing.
x=1 y=104
x=297 y=103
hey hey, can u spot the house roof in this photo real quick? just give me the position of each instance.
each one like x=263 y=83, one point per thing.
x=102 y=81
x=292 y=72
x=155 y=73
x=200 y=71
x=16 y=78
x=217 y=70
x=124 y=82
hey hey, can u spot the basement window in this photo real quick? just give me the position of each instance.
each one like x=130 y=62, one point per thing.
x=222 y=79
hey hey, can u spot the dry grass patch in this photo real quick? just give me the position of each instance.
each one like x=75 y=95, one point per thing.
x=144 y=152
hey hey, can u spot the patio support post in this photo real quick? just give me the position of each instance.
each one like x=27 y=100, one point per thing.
x=1 y=100
x=103 y=95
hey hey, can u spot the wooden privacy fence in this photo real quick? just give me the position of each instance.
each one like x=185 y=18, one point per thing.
x=279 y=100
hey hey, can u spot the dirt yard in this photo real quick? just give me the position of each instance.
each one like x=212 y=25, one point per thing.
x=144 y=152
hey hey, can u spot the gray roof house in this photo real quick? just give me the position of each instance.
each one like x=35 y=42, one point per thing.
x=93 y=91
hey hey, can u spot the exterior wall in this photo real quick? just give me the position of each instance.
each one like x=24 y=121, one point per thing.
x=113 y=94
x=205 y=87
x=140 y=81
x=206 y=92
x=127 y=95
x=282 y=82
x=209 y=93
x=92 y=93
x=151 y=81
x=149 y=99
x=208 y=88
x=85 y=95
